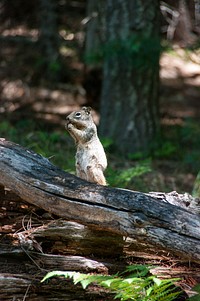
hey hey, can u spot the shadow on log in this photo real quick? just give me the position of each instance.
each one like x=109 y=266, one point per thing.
x=147 y=218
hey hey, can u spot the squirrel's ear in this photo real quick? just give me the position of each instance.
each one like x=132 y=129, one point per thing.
x=87 y=110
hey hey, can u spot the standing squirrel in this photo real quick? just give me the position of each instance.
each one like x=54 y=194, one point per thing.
x=91 y=159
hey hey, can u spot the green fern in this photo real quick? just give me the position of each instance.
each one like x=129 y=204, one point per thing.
x=122 y=178
x=135 y=283
x=196 y=291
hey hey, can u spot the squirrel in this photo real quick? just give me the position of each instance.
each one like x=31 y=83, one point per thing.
x=91 y=159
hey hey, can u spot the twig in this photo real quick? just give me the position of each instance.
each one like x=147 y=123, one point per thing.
x=24 y=298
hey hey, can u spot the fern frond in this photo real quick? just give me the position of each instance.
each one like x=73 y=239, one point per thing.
x=136 y=286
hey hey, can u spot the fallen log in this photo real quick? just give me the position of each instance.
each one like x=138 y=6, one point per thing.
x=147 y=219
x=25 y=287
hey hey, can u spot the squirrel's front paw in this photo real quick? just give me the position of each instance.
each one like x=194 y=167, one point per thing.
x=69 y=126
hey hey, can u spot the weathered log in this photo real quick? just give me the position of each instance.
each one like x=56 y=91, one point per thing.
x=25 y=287
x=128 y=213
x=80 y=239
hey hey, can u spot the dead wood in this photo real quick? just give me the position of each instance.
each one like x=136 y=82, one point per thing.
x=24 y=287
x=152 y=220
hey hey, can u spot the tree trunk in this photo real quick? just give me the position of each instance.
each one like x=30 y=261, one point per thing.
x=49 y=40
x=147 y=219
x=129 y=102
x=92 y=27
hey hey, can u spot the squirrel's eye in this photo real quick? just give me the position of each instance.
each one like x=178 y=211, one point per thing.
x=78 y=115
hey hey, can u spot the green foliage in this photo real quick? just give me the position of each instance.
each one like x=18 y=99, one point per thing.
x=136 y=283
x=197 y=296
x=190 y=138
x=123 y=178
x=166 y=150
x=54 y=66
x=180 y=143
x=52 y=145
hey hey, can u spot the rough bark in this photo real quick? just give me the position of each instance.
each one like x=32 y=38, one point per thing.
x=24 y=287
x=49 y=39
x=131 y=214
x=91 y=22
x=129 y=102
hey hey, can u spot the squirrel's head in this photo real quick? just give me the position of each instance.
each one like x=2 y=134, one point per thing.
x=81 y=119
